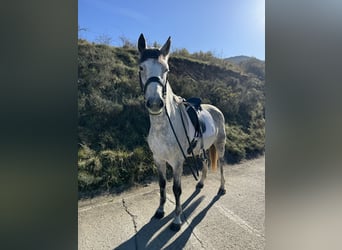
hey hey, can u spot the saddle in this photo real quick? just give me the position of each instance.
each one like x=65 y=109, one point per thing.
x=193 y=107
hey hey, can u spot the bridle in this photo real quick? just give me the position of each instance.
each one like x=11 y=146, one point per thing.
x=156 y=79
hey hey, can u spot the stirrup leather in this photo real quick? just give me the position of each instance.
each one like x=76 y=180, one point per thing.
x=192 y=145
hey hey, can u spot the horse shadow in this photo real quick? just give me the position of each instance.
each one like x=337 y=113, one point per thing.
x=145 y=238
x=182 y=239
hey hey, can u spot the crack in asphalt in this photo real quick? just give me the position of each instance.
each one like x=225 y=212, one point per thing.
x=192 y=232
x=134 y=222
x=189 y=225
x=170 y=200
x=197 y=238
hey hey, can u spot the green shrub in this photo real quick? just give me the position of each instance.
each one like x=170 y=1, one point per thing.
x=89 y=169
x=108 y=169
x=256 y=139
x=144 y=166
x=87 y=181
x=117 y=168
x=236 y=142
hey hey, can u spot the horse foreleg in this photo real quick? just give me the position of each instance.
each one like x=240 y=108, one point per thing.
x=162 y=183
x=177 y=190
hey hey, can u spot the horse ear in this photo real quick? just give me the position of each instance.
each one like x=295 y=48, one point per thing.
x=141 y=43
x=166 y=47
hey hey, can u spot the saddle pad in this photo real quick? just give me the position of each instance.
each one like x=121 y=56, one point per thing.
x=210 y=130
x=205 y=117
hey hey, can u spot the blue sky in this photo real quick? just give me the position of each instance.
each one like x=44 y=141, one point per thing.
x=224 y=27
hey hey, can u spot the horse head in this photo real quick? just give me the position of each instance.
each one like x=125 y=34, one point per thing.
x=153 y=70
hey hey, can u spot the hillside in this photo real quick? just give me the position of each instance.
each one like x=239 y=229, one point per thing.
x=113 y=122
x=250 y=65
x=237 y=59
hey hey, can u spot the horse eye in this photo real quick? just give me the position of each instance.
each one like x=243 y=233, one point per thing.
x=141 y=68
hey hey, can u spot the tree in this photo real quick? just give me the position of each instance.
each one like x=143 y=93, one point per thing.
x=104 y=39
x=126 y=43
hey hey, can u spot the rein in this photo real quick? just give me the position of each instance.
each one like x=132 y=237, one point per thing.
x=180 y=146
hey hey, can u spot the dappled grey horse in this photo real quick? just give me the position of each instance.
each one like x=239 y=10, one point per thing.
x=171 y=129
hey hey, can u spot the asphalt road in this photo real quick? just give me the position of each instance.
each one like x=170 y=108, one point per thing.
x=235 y=220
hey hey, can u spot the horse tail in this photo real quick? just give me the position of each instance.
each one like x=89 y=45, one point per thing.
x=213 y=157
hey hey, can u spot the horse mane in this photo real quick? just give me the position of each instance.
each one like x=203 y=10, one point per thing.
x=149 y=53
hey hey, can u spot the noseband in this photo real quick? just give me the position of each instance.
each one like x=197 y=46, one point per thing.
x=156 y=79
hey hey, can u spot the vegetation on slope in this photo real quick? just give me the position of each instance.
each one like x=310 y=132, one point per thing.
x=113 y=122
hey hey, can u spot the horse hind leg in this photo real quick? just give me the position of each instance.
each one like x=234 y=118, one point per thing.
x=222 y=189
x=221 y=148
x=162 y=183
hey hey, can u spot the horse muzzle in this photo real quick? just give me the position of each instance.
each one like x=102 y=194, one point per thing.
x=154 y=105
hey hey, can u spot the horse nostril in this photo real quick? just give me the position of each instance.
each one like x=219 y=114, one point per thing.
x=161 y=103
x=148 y=103
x=154 y=104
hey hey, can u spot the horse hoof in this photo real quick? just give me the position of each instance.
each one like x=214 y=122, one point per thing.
x=221 y=191
x=175 y=227
x=159 y=214
x=199 y=185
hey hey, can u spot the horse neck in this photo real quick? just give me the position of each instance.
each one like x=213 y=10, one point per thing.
x=170 y=102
